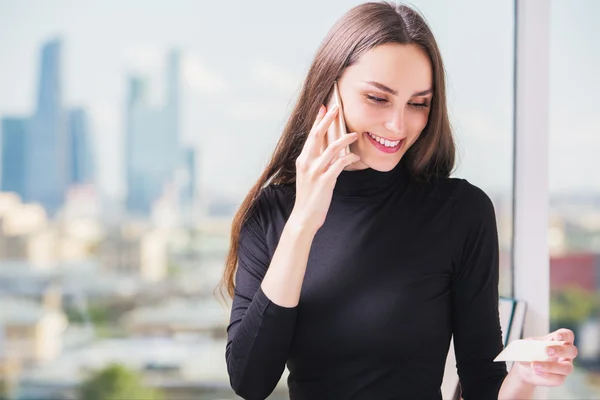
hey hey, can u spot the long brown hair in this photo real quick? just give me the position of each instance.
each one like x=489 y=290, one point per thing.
x=359 y=30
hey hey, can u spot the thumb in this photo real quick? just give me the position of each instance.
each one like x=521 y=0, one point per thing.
x=561 y=334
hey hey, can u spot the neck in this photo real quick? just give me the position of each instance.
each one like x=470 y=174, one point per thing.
x=363 y=181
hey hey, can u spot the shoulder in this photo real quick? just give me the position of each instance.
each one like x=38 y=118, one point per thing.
x=472 y=203
x=269 y=196
x=473 y=215
x=278 y=197
x=273 y=203
x=465 y=197
x=471 y=197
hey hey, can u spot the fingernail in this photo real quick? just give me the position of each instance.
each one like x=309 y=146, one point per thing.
x=551 y=351
x=321 y=109
x=559 y=337
x=537 y=368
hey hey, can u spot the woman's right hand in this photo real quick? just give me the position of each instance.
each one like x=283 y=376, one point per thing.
x=317 y=172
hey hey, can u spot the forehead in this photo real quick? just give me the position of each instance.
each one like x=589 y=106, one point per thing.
x=403 y=67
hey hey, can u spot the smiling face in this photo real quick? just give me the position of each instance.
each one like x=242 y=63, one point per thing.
x=386 y=97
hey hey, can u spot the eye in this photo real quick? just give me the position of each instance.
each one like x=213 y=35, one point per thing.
x=377 y=100
x=419 y=105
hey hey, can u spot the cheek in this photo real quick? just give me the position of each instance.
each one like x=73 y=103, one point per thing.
x=359 y=116
x=418 y=122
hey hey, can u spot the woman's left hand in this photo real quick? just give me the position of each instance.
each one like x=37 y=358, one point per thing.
x=560 y=364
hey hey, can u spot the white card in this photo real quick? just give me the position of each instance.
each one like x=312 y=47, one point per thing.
x=527 y=350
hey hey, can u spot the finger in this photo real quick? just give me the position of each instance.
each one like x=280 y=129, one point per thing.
x=526 y=364
x=319 y=117
x=334 y=149
x=317 y=134
x=336 y=168
x=309 y=138
x=558 y=368
x=529 y=364
x=567 y=351
x=563 y=334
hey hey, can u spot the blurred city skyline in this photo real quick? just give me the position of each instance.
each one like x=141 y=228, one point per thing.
x=47 y=155
x=236 y=81
x=259 y=88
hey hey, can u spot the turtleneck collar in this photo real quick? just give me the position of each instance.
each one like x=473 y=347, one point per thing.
x=370 y=182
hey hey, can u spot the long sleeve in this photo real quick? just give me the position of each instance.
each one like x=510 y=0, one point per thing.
x=476 y=322
x=260 y=331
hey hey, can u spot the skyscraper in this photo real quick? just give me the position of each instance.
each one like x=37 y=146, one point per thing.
x=170 y=138
x=187 y=188
x=152 y=141
x=47 y=157
x=82 y=163
x=173 y=93
x=14 y=155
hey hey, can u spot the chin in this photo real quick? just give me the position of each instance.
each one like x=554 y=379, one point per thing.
x=379 y=164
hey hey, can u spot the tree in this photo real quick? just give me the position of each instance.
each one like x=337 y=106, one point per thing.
x=572 y=306
x=3 y=389
x=116 y=382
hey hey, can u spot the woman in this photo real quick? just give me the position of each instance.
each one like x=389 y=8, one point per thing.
x=357 y=270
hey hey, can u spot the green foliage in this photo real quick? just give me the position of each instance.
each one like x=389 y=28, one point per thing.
x=3 y=390
x=573 y=305
x=116 y=382
x=173 y=270
x=98 y=314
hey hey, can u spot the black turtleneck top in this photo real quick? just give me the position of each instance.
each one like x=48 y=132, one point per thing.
x=397 y=268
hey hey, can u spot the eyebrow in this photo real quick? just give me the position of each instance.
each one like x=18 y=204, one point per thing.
x=384 y=88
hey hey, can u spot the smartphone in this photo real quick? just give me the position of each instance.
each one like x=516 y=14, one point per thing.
x=337 y=129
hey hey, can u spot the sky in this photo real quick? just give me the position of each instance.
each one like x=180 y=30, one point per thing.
x=244 y=62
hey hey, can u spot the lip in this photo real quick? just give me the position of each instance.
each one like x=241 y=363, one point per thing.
x=383 y=148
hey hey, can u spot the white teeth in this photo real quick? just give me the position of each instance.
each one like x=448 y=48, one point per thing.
x=384 y=142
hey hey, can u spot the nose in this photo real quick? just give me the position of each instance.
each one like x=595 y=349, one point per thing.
x=395 y=122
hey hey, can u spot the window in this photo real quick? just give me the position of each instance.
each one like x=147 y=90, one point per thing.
x=574 y=225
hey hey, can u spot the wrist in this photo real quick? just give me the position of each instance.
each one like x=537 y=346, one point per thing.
x=299 y=226
x=514 y=386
